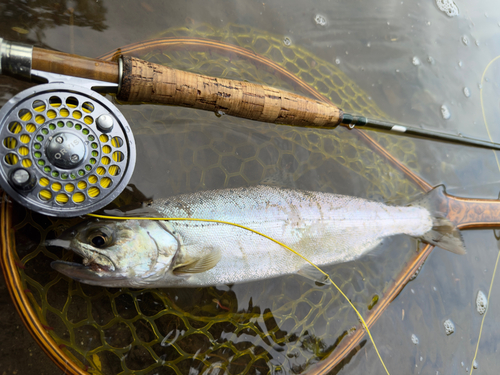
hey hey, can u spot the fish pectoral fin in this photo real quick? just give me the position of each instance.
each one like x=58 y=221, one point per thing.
x=313 y=274
x=199 y=265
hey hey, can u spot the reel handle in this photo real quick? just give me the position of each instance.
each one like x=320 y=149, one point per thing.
x=152 y=83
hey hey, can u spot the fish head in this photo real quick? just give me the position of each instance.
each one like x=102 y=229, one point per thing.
x=116 y=253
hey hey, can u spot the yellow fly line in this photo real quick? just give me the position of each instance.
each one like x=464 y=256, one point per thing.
x=498 y=255
x=269 y=238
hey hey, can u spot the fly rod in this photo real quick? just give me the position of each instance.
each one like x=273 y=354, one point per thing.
x=142 y=81
x=66 y=150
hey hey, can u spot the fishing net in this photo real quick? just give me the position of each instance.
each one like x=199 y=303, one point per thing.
x=284 y=325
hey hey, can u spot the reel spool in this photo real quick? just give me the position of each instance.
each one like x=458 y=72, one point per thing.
x=65 y=150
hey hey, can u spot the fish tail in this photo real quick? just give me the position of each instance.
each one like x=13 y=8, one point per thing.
x=443 y=232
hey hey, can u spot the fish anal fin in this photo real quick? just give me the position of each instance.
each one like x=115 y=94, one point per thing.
x=445 y=235
x=199 y=265
x=313 y=274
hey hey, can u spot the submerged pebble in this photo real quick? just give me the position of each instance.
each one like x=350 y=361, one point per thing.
x=445 y=112
x=414 y=339
x=448 y=7
x=466 y=92
x=449 y=327
x=481 y=303
x=474 y=365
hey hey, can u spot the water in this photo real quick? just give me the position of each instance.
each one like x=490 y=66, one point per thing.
x=394 y=33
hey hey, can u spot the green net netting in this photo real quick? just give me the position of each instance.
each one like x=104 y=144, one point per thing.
x=281 y=325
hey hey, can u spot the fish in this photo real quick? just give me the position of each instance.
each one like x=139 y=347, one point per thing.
x=325 y=228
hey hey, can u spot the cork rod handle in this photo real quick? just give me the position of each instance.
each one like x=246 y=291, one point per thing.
x=151 y=83
x=74 y=65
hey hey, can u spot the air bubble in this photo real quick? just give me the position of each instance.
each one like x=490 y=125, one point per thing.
x=448 y=7
x=465 y=40
x=431 y=60
x=477 y=43
x=475 y=365
x=445 y=112
x=320 y=20
x=449 y=327
x=337 y=61
x=460 y=64
x=414 y=339
x=287 y=41
x=466 y=92
x=368 y=44
x=481 y=303
x=415 y=61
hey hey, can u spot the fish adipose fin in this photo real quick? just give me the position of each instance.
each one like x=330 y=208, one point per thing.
x=199 y=265
x=444 y=233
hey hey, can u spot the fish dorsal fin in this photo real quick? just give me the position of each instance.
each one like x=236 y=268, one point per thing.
x=199 y=265
x=313 y=274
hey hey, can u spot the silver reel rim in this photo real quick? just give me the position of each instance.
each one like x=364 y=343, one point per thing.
x=61 y=183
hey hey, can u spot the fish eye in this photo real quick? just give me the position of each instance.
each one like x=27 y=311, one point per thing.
x=99 y=238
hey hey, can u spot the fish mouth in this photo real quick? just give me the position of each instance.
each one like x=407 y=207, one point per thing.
x=90 y=259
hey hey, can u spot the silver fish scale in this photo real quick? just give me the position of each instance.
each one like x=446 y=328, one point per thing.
x=325 y=228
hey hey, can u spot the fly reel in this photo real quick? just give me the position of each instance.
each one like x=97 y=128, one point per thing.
x=65 y=149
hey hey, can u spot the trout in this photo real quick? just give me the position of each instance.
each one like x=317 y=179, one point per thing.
x=324 y=228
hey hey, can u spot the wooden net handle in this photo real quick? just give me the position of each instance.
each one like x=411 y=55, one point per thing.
x=152 y=83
